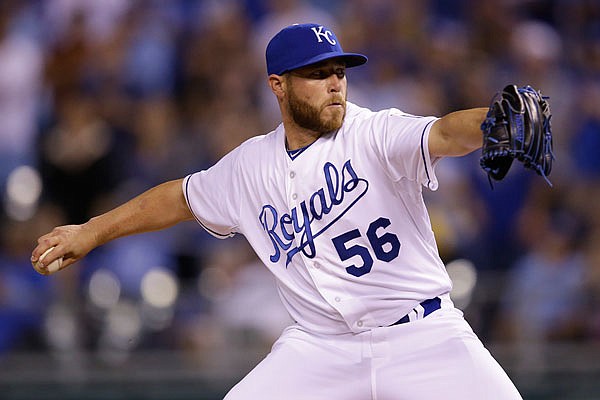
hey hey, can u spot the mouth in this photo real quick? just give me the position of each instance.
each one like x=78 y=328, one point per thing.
x=335 y=104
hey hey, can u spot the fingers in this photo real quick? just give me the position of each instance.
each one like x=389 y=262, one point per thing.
x=52 y=247
x=44 y=243
x=46 y=267
x=69 y=243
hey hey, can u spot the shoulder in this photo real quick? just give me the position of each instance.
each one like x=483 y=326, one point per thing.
x=358 y=113
x=355 y=112
x=361 y=118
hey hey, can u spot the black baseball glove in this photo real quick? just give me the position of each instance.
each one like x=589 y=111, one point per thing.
x=517 y=126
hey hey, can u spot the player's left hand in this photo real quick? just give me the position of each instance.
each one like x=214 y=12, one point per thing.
x=517 y=126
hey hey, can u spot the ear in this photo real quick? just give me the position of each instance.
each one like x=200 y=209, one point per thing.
x=278 y=85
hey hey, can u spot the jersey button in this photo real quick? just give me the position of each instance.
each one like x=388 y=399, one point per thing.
x=294 y=196
x=337 y=299
x=292 y=174
x=359 y=324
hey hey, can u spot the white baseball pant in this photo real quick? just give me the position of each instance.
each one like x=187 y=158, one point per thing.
x=437 y=357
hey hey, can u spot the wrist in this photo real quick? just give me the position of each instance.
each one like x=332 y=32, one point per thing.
x=95 y=231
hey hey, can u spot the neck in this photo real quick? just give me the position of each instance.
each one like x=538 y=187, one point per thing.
x=297 y=138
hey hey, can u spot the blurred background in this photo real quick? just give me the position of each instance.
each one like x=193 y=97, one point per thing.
x=100 y=100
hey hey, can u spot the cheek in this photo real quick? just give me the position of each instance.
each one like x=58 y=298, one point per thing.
x=315 y=91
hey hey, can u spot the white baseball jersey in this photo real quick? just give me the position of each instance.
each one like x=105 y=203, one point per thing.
x=342 y=224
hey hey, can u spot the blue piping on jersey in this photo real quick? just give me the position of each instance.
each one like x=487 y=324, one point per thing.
x=217 y=234
x=423 y=153
x=295 y=153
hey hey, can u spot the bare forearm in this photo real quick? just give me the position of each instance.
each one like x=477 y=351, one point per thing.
x=155 y=209
x=457 y=133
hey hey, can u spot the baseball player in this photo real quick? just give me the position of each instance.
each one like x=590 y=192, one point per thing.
x=331 y=201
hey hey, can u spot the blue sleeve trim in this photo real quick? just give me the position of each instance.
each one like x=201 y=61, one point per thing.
x=423 y=152
x=214 y=233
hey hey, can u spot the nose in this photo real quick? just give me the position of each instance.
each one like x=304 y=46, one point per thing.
x=335 y=83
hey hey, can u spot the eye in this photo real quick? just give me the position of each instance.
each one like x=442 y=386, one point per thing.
x=319 y=74
x=326 y=73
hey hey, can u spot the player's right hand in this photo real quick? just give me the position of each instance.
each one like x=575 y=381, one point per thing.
x=71 y=242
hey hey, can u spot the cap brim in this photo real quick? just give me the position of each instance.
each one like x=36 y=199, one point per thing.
x=350 y=59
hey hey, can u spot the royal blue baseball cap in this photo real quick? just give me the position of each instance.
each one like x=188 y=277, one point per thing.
x=300 y=45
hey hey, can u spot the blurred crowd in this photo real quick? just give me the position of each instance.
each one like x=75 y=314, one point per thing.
x=100 y=100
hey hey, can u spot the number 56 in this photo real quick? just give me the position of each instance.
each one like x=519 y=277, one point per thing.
x=386 y=247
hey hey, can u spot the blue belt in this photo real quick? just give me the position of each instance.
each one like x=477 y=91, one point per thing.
x=429 y=306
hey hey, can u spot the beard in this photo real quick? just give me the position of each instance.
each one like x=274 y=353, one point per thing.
x=309 y=117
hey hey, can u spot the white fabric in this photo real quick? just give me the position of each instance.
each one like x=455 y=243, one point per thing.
x=438 y=357
x=369 y=174
x=344 y=229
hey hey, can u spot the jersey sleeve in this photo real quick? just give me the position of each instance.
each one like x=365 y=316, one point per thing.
x=404 y=147
x=213 y=198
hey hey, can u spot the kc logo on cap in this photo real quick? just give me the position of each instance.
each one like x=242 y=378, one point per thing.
x=327 y=35
x=295 y=47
